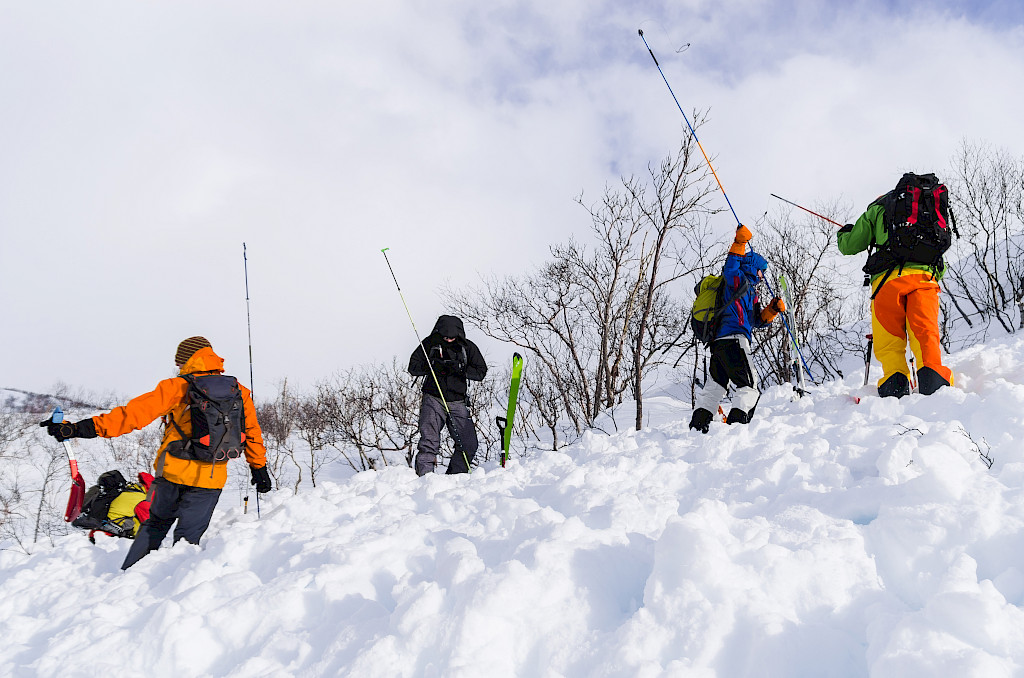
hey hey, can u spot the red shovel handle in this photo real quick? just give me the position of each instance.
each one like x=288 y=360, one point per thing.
x=77 y=494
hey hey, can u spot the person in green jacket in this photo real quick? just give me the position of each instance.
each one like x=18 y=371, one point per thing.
x=904 y=303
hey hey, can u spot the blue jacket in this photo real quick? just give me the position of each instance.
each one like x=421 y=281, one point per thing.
x=744 y=313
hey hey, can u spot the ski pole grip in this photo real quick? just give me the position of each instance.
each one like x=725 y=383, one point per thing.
x=57 y=416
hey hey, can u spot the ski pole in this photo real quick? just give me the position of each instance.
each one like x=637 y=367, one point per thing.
x=248 y=321
x=785 y=323
x=448 y=413
x=769 y=287
x=719 y=181
x=252 y=382
x=806 y=210
x=692 y=131
x=867 y=357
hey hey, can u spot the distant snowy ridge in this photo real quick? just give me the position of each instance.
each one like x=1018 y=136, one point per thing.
x=18 y=400
x=825 y=539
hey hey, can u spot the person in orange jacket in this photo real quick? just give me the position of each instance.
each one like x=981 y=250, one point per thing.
x=186 y=489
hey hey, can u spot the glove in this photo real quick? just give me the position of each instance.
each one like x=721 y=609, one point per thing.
x=776 y=307
x=65 y=430
x=846 y=229
x=456 y=367
x=448 y=365
x=260 y=478
x=739 y=243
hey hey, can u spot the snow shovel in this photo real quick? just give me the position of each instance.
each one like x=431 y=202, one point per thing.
x=867 y=358
x=77 y=481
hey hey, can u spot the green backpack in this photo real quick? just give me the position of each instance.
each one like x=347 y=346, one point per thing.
x=706 y=313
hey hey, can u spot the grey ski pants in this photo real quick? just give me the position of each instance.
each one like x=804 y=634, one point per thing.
x=432 y=420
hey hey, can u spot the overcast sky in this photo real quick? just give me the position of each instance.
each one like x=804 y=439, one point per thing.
x=142 y=142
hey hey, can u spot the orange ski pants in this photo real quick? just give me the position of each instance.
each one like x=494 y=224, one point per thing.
x=907 y=306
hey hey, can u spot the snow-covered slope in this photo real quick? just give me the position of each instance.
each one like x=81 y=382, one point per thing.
x=827 y=538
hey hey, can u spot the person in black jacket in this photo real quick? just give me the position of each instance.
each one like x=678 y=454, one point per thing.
x=454 y=359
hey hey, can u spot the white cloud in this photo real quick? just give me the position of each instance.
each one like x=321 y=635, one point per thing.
x=143 y=145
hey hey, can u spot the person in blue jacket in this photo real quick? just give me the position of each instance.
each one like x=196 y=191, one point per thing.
x=730 y=350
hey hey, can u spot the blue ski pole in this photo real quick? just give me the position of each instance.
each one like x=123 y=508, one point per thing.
x=720 y=187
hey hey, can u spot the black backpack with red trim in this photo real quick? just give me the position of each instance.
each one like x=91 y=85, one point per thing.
x=218 y=420
x=918 y=223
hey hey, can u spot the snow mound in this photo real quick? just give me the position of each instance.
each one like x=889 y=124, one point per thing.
x=828 y=538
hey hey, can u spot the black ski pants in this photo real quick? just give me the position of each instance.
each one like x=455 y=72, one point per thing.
x=191 y=506
x=731 y=363
x=433 y=418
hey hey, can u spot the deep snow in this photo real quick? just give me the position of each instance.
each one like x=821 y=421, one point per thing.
x=826 y=539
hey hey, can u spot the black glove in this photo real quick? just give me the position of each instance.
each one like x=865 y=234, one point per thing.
x=448 y=359
x=260 y=478
x=67 y=430
x=458 y=366
x=450 y=366
x=846 y=229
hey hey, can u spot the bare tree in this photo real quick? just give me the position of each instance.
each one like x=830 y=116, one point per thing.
x=374 y=411
x=598 y=316
x=985 y=276
x=51 y=463
x=13 y=513
x=278 y=422
x=13 y=425
x=315 y=428
x=674 y=213
x=824 y=289
x=134 y=451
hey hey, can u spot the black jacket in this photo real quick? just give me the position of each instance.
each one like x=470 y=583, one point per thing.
x=454 y=362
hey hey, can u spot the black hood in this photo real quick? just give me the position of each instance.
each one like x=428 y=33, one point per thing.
x=449 y=326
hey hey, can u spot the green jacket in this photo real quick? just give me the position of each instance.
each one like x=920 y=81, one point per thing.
x=870 y=230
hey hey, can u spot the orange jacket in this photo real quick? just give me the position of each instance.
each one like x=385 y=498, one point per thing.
x=169 y=398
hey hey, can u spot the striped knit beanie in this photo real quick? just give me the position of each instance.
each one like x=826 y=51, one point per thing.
x=188 y=347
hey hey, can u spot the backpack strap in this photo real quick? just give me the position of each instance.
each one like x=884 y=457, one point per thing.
x=160 y=463
x=186 y=441
x=884 y=278
x=744 y=286
x=716 y=317
x=886 y=202
x=889 y=273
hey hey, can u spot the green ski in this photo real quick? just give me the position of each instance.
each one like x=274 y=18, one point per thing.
x=505 y=423
x=788 y=298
